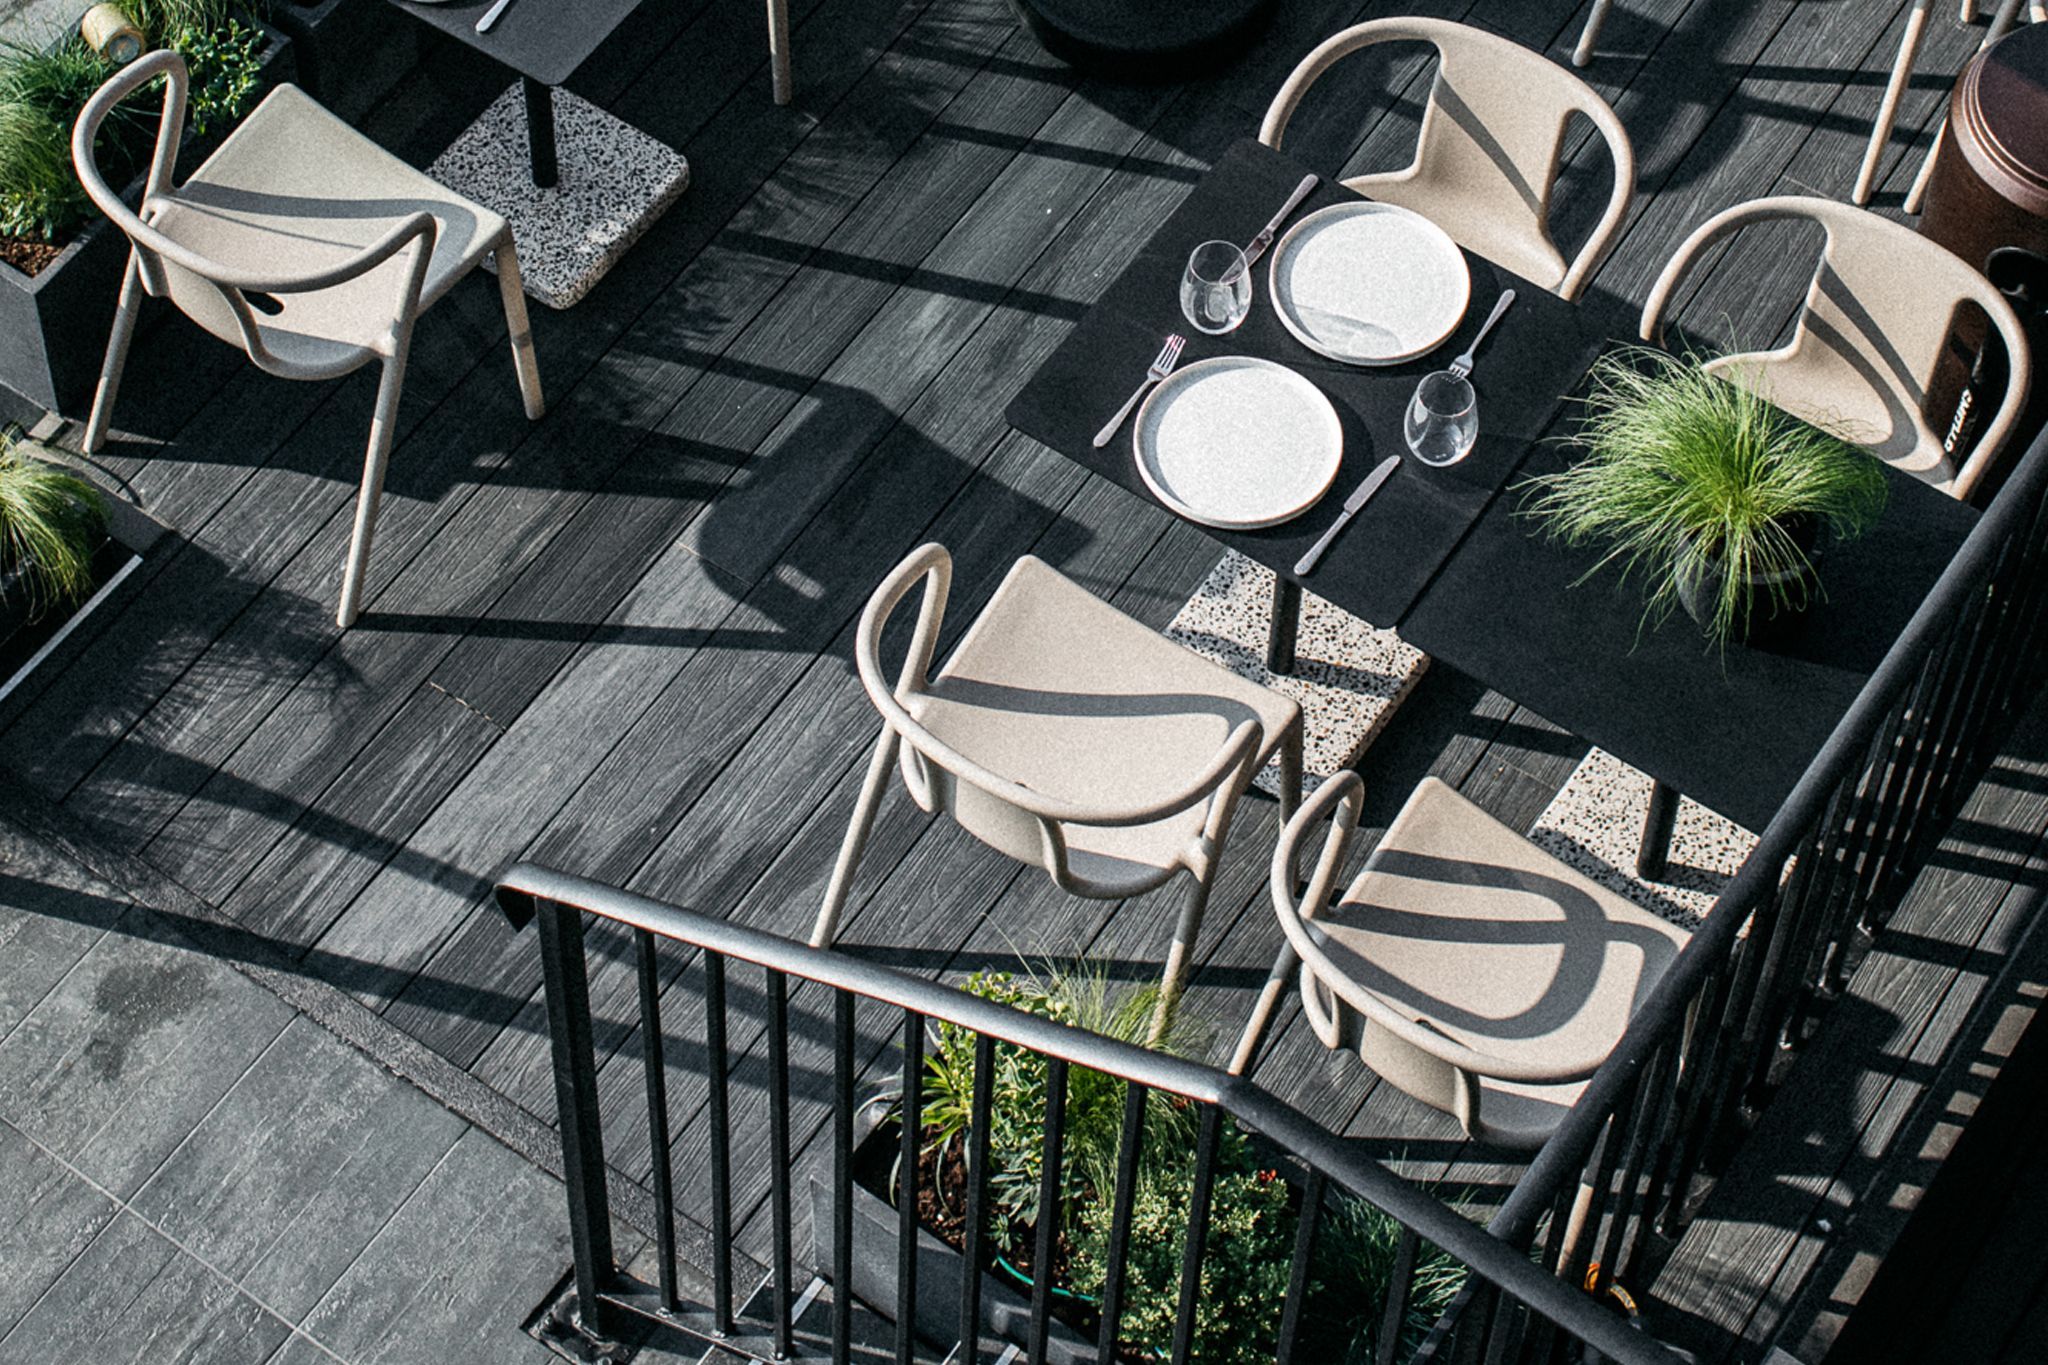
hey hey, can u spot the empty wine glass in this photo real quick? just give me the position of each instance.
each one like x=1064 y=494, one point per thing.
x=1216 y=291
x=1443 y=419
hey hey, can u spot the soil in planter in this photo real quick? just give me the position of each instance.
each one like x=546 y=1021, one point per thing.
x=26 y=256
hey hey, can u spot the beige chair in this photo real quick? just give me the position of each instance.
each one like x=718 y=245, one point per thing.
x=1065 y=734
x=1486 y=161
x=1876 y=318
x=1464 y=965
x=305 y=244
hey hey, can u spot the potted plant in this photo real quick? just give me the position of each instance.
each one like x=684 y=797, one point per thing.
x=1254 y=1208
x=60 y=262
x=1716 y=497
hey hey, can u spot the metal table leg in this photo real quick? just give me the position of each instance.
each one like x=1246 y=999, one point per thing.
x=1286 y=625
x=540 y=131
x=1653 y=858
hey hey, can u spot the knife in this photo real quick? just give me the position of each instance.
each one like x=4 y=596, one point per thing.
x=492 y=15
x=1258 y=245
x=1366 y=488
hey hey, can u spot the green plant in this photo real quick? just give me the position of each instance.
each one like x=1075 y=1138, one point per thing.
x=1081 y=998
x=51 y=522
x=1356 y=1249
x=225 y=61
x=1699 y=485
x=39 y=195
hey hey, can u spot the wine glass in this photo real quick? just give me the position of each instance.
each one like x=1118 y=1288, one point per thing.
x=1216 y=291
x=1443 y=419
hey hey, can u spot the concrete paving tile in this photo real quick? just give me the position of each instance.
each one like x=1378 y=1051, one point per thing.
x=133 y=1298
x=48 y=1217
x=51 y=914
x=122 y=1059
x=298 y=1168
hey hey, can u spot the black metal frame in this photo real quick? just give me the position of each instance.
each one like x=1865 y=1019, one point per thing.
x=1526 y=1292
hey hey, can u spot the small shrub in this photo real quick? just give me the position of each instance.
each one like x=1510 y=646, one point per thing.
x=51 y=522
x=40 y=197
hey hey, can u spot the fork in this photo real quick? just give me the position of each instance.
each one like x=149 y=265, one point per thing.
x=1169 y=356
x=1462 y=366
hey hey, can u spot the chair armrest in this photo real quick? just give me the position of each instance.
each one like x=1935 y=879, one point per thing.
x=1608 y=229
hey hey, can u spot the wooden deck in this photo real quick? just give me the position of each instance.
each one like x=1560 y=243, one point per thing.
x=616 y=641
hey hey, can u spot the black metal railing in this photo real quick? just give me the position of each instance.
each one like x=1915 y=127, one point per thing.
x=1524 y=1310
x=1610 y=1192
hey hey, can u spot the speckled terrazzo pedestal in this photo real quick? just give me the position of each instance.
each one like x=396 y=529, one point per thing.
x=1595 y=824
x=614 y=182
x=1348 y=679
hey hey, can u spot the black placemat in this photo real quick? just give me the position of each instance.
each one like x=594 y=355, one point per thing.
x=1734 y=730
x=1381 y=564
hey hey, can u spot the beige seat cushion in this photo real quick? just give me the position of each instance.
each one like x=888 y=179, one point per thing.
x=1460 y=923
x=295 y=190
x=1057 y=690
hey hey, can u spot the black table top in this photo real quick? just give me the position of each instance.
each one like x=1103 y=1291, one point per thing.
x=1445 y=555
x=1380 y=565
x=545 y=40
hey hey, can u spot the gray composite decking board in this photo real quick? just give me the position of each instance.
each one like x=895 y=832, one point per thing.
x=1909 y=1001
x=475 y=432
x=500 y=531
x=298 y=1168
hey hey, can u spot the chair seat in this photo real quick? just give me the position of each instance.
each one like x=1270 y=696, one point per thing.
x=1460 y=923
x=1059 y=691
x=293 y=172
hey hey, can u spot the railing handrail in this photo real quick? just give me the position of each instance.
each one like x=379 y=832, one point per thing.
x=1492 y=1258
x=1662 y=1013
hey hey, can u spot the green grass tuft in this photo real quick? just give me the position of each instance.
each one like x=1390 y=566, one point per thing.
x=51 y=523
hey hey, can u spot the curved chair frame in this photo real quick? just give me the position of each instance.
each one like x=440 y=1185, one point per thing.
x=1025 y=824
x=217 y=297
x=1862 y=264
x=1486 y=161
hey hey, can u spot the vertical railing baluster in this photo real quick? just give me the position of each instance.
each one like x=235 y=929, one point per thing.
x=912 y=1132
x=720 y=1104
x=1198 y=1235
x=977 y=1195
x=1051 y=1156
x=782 y=1267
x=1130 y=1147
x=566 y=979
x=842 y=1176
x=657 y=1116
x=1628 y=1205
x=1400 y=1292
x=1305 y=1227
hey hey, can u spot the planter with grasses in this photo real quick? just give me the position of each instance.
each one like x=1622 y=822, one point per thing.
x=1254 y=1213
x=66 y=550
x=1718 y=502
x=60 y=262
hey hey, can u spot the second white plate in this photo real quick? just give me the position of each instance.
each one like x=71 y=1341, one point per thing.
x=1369 y=283
x=1238 y=442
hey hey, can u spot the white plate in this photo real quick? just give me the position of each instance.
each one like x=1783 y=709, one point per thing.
x=1237 y=442
x=1368 y=283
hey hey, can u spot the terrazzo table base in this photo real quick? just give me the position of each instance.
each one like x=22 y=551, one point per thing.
x=1348 y=676
x=1595 y=824
x=614 y=182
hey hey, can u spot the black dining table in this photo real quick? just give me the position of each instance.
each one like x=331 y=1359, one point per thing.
x=1447 y=556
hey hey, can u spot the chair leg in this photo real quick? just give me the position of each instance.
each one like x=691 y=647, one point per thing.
x=117 y=357
x=778 y=49
x=383 y=429
x=1589 y=37
x=2001 y=24
x=1254 y=1034
x=1179 y=960
x=1888 y=108
x=826 y=928
x=512 y=290
x=1290 y=770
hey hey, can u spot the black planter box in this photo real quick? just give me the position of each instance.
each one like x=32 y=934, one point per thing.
x=350 y=53
x=941 y=1271
x=54 y=324
x=45 y=645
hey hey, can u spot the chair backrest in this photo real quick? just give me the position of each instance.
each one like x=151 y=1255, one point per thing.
x=1027 y=825
x=1493 y=131
x=214 y=295
x=1876 y=319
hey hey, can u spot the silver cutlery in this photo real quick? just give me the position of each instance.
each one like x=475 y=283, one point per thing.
x=492 y=15
x=1462 y=366
x=1169 y=356
x=1258 y=245
x=1359 y=497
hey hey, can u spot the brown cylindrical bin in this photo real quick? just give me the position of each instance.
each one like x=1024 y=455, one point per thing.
x=1989 y=194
